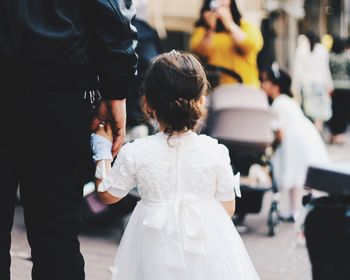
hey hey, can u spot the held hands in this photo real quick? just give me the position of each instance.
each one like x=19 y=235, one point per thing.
x=105 y=131
x=112 y=113
x=109 y=136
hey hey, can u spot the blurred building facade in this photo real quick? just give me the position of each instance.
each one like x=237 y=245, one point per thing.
x=327 y=17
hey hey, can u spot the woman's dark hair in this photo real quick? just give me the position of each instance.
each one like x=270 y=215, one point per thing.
x=173 y=88
x=279 y=78
x=339 y=45
x=313 y=39
x=236 y=15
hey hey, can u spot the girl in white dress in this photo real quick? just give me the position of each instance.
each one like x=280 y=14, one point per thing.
x=181 y=228
x=298 y=142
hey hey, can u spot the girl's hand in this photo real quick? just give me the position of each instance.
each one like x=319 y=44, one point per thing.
x=211 y=18
x=105 y=130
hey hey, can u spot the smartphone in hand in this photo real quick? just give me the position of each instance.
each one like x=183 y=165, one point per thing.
x=214 y=4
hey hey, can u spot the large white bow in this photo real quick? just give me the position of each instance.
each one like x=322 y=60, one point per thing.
x=188 y=237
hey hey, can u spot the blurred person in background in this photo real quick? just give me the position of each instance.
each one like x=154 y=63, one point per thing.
x=223 y=38
x=312 y=81
x=339 y=62
x=297 y=142
x=267 y=55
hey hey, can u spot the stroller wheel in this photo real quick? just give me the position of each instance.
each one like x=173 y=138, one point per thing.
x=271 y=231
x=273 y=227
x=274 y=219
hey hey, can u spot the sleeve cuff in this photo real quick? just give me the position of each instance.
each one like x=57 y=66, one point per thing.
x=105 y=186
x=117 y=193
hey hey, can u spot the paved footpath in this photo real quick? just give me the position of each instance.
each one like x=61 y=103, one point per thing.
x=276 y=258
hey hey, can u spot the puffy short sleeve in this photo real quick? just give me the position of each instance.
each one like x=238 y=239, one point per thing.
x=226 y=181
x=122 y=177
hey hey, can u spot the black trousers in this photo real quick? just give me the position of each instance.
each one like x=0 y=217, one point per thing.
x=44 y=149
x=327 y=232
x=341 y=111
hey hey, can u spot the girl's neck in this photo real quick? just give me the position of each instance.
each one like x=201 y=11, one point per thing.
x=162 y=128
x=174 y=133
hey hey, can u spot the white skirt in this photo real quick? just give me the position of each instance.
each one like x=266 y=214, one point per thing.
x=301 y=147
x=184 y=241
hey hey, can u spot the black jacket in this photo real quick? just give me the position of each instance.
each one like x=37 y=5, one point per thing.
x=67 y=44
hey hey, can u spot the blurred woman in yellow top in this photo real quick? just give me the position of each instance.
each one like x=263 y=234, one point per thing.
x=223 y=38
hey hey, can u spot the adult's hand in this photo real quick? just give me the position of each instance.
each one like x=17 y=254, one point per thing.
x=113 y=112
x=117 y=111
x=102 y=115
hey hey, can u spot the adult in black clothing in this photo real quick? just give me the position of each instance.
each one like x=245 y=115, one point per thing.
x=339 y=62
x=53 y=55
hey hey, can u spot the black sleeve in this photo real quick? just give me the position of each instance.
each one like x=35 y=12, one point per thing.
x=115 y=40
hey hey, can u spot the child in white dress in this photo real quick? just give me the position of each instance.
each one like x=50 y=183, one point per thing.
x=181 y=228
x=299 y=143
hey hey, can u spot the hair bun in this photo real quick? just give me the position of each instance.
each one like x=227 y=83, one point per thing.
x=174 y=85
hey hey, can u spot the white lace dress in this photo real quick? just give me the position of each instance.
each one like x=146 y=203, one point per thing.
x=179 y=229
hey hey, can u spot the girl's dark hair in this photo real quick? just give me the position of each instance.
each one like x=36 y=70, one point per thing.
x=313 y=39
x=173 y=88
x=219 y=26
x=339 y=45
x=279 y=78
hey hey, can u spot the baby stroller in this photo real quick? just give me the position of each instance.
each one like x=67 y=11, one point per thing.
x=239 y=118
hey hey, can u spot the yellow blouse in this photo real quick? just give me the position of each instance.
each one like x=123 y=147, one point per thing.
x=222 y=51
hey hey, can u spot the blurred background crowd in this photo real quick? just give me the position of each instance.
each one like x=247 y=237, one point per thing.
x=309 y=39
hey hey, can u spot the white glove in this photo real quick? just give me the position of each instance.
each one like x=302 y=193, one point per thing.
x=101 y=147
